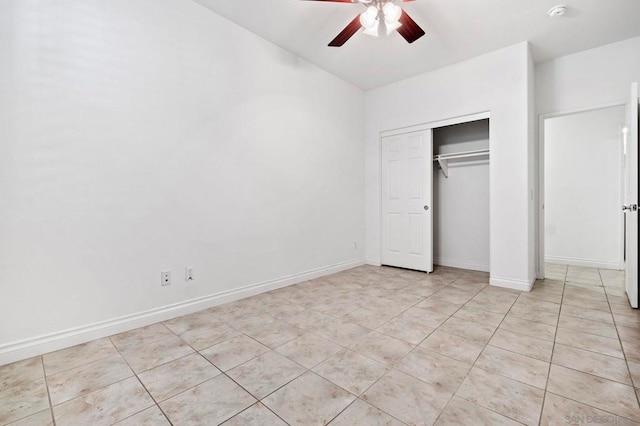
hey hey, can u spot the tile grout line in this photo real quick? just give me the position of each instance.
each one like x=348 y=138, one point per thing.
x=141 y=383
x=553 y=349
x=222 y=372
x=598 y=335
x=440 y=325
x=589 y=350
x=259 y=400
x=104 y=387
x=343 y=410
x=451 y=315
x=83 y=364
x=593 y=375
x=476 y=359
x=624 y=353
x=311 y=370
x=590 y=406
x=157 y=403
x=135 y=374
x=46 y=385
x=392 y=366
x=458 y=387
x=365 y=402
x=349 y=348
x=387 y=367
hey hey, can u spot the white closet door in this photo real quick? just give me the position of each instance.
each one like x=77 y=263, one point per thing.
x=631 y=198
x=407 y=185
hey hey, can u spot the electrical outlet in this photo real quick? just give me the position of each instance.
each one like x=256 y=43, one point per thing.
x=165 y=278
x=188 y=274
x=355 y=245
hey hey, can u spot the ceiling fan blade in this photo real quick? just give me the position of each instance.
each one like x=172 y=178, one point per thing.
x=409 y=29
x=347 y=33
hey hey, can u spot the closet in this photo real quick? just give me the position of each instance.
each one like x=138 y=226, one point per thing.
x=434 y=191
x=461 y=195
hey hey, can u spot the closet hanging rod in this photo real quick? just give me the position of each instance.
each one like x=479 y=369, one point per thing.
x=443 y=159
x=465 y=154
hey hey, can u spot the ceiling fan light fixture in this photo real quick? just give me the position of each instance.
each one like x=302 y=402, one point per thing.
x=391 y=12
x=373 y=30
x=392 y=26
x=369 y=17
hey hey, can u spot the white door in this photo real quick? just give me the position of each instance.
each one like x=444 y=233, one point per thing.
x=631 y=198
x=407 y=182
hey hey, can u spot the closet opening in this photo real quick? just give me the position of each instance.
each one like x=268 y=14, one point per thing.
x=434 y=195
x=461 y=195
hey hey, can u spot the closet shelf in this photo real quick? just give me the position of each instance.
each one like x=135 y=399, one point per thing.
x=443 y=159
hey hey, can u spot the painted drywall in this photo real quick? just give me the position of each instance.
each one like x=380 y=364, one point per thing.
x=588 y=79
x=532 y=168
x=460 y=239
x=498 y=83
x=583 y=188
x=149 y=135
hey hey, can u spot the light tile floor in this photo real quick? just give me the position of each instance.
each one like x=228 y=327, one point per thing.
x=363 y=347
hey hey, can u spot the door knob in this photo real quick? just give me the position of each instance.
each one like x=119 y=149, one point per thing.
x=630 y=207
x=426 y=207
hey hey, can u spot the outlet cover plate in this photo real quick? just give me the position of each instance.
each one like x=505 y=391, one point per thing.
x=165 y=278
x=188 y=273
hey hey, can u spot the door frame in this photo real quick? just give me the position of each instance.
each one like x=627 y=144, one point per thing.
x=631 y=279
x=540 y=272
x=428 y=126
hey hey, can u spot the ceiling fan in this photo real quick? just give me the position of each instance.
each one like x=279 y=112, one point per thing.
x=381 y=18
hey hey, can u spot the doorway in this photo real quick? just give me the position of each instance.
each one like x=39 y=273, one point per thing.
x=582 y=186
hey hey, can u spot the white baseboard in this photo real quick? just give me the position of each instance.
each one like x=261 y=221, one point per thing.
x=373 y=262
x=515 y=284
x=23 y=349
x=588 y=263
x=462 y=264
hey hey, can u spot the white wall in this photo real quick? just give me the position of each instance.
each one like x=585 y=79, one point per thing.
x=138 y=136
x=585 y=80
x=588 y=79
x=533 y=168
x=495 y=82
x=461 y=200
x=583 y=188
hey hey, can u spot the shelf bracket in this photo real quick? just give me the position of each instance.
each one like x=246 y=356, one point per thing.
x=444 y=166
x=443 y=159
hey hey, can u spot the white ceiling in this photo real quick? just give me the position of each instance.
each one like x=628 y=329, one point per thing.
x=456 y=30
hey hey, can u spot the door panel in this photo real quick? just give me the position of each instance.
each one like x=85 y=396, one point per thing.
x=416 y=232
x=394 y=232
x=406 y=234
x=631 y=198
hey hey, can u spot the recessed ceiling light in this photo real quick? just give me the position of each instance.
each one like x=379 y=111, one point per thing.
x=557 y=11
